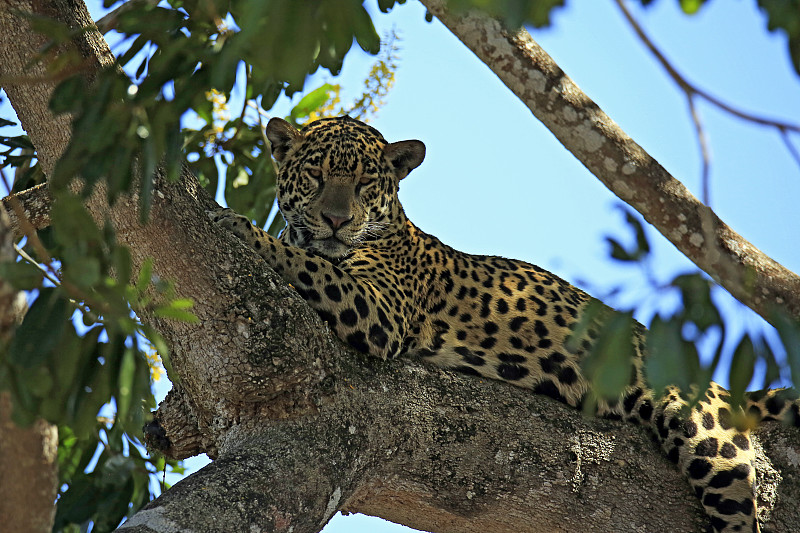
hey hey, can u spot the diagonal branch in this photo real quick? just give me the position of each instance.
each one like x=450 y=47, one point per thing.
x=625 y=167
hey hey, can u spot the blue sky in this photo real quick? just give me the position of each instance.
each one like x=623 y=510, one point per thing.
x=495 y=181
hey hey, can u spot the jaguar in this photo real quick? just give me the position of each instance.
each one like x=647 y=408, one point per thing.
x=389 y=289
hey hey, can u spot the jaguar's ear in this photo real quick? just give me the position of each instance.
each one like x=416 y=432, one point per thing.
x=282 y=136
x=405 y=156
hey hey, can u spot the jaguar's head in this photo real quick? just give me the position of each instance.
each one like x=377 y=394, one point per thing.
x=338 y=181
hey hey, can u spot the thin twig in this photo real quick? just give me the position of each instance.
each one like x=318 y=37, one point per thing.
x=261 y=128
x=692 y=90
x=50 y=276
x=705 y=155
x=789 y=146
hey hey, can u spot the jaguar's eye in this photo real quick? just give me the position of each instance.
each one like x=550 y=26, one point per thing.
x=366 y=180
x=314 y=173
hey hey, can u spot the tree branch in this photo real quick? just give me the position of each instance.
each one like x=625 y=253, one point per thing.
x=26 y=453
x=35 y=207
x=623 y=166
x=302 y=427
x=448 y=453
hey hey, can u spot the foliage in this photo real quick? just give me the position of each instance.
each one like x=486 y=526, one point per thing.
x=676 y=340
x=177 y=54
x=236 y=149
x=78 y=352
x=80 y=358
x=785 y=15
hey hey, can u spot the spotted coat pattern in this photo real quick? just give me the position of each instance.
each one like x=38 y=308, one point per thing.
x=389 y=289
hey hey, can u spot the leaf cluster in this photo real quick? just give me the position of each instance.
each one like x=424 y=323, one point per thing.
x=127 y=118
x=79 y=352
x=235 y=148
x=79 y=358
x=103 y=479
x=676 y=340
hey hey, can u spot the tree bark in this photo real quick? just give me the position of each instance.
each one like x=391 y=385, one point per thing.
x=448 y=453
x=623 y=166
x=26 y=453
x=302 y=427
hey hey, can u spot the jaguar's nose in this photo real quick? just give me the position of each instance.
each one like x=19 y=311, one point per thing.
x=336 y=221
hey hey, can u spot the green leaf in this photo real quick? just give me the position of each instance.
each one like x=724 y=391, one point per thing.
x=17 y=141
x=365 y=34
x=161 y=347
x=789 y=331
x=145 y=275
x=182 y=303
x=590 y=316
x=618 y=252
x=671 y=360
x=690 y=7
x=78 y=503
x=642 y=247
x=176 y=314
x=785 y=15
x=83 y=271
x=698 y=306
x=742 y=368
x=113 y=507
x=642 y=244
x=40 y=332
x=71 y=222
x=121 y=260
x=773 y=372
x=608 y=366
x=116 y=472
x=37 y=381
x=277 y=225
x=311 y=102
x=386 y=5
x=22 y=275
x=68 y=95
x=125 y=383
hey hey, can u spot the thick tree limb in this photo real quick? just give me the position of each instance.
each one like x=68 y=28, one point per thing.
x=447 y=453
x=623 y=166
x=302 y=427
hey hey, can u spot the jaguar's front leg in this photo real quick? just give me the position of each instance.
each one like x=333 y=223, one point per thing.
x=353 y=307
